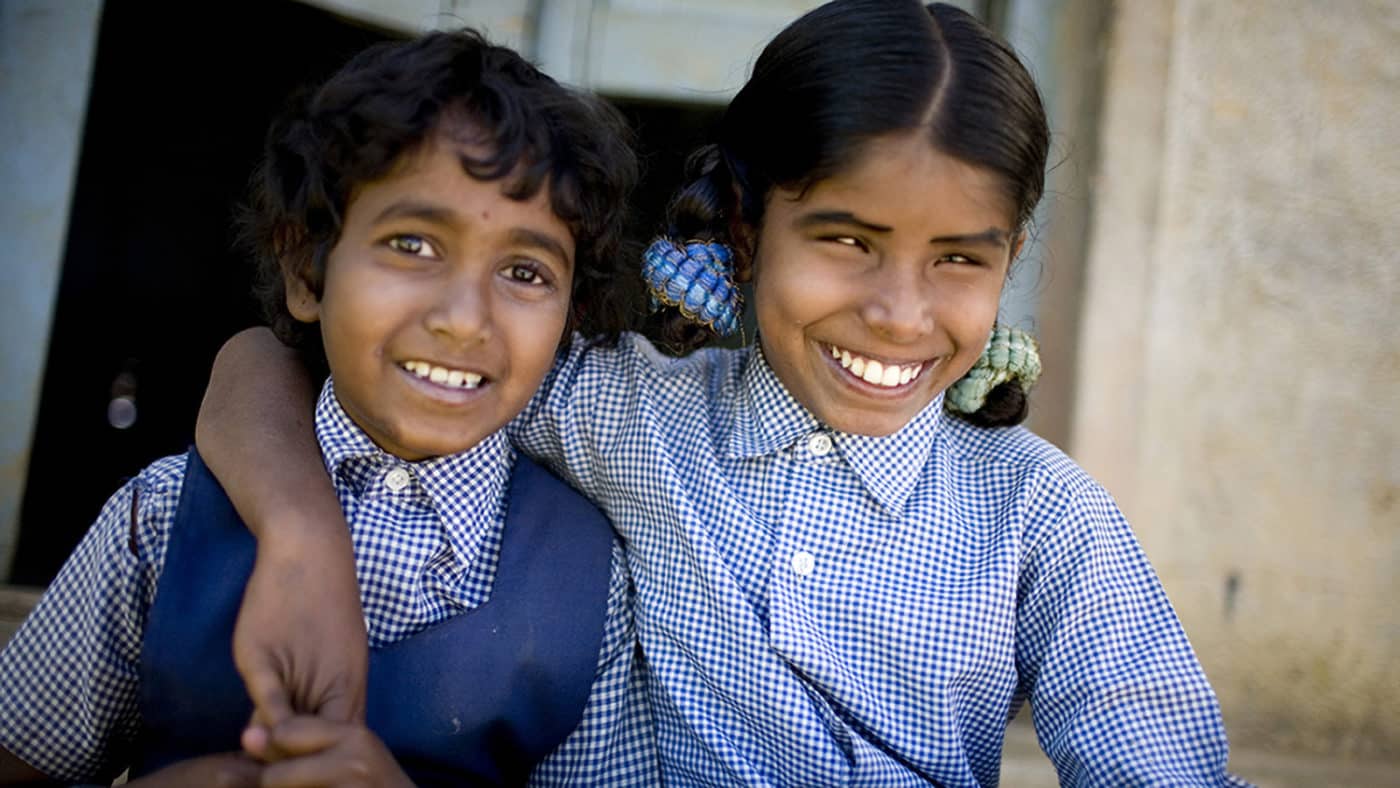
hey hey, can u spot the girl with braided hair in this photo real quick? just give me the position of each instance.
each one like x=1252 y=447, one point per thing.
x=851 y=567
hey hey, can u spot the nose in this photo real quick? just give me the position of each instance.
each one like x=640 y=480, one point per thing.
x=898 y=304
x=460 y=310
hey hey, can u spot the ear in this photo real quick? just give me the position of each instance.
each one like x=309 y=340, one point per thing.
x=301 y=301
x=743 y=235
x=745 y=245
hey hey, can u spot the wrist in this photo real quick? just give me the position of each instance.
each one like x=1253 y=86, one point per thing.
x=304 y=534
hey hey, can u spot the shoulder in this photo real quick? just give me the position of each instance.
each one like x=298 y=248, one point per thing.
x=1026 y=476
x=147 y=500
x=165 y=476
x=616 y=388
x=137 y=519
x=637 y=357
x=1010 y=450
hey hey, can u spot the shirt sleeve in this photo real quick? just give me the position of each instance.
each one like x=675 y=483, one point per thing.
x=69 y=703
x=615 y=742
x=1117 y=694
x=590 y=397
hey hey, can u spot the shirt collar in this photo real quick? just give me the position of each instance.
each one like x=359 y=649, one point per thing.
x=768 y=419
x=466 y=489
x=889 y=466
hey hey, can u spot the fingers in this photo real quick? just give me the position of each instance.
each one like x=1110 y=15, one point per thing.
x=225 y=770
x=340 y=702
x=257 y=741
x=324 y=753
x=235 y=771
x=271 y=703
x=321 y=769
x=304 y=735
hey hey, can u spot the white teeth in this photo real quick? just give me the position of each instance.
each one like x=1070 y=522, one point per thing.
x=455 y=378
x=876 y=373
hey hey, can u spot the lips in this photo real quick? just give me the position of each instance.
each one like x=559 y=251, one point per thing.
x=873 y=371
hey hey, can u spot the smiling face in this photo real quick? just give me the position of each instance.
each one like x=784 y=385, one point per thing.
x=443 y=304
x=877 y=288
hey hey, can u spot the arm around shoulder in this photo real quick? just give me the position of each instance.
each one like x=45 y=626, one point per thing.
x=256 y=431
x=300 y=640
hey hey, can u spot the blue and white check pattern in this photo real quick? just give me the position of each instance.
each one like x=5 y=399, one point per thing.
x=824 y=609
x=425 y=550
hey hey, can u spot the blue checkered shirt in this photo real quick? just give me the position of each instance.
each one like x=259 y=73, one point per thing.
x=823 y=609
x=427 y=540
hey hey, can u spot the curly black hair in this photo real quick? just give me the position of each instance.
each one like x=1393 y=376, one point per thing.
x=386 y=102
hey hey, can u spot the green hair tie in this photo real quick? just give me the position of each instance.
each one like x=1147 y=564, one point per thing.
x=1011 y=354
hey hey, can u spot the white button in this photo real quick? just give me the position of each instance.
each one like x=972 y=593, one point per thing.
x=803 y=562
x=397 y=479
x=819 y=444
x=366 y=624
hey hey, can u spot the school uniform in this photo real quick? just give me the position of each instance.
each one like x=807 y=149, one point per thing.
x=496 y=601
x=820 y=608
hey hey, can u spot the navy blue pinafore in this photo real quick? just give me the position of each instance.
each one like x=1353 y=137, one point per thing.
x=477 y=699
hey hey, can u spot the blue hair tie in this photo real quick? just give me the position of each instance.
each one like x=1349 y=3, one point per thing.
x=697 y=279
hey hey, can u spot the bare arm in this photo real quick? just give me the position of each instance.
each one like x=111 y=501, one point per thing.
x=300 y=639
x=14 y=771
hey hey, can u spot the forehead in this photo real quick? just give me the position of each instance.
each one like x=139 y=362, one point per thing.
x=903 y=179
x=440 y=168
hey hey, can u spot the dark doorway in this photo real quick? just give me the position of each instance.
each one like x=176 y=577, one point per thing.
x=151 y=285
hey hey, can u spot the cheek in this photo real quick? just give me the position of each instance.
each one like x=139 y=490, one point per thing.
x=971 y=316
x=535 y=333
x=787 y=297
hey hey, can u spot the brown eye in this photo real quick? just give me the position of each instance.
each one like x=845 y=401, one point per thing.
x=526 y=275
x=847 y=240
x=412 y=245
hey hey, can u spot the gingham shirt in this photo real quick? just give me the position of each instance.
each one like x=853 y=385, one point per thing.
x=427 y=540
x=824 y=609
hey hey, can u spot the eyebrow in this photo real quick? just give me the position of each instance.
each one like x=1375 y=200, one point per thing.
x=992 y=236
x=524 y=236
x=414 y=209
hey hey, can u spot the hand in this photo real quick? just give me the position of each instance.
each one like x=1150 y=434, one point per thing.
x=300 y=642
x=330 y=754
x=226 y=770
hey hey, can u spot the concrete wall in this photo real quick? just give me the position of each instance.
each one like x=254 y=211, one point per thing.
x=46 y=54
x=1239 y=378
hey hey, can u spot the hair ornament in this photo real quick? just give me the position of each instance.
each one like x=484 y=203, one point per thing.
x=1011 y=354
x=697 y=278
